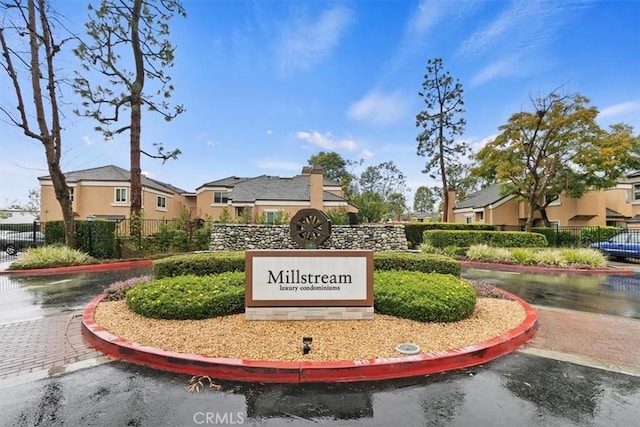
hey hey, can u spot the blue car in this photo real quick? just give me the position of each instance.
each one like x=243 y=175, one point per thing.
x=623 y=245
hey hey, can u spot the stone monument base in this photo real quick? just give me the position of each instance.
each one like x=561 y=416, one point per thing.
x=309 y=313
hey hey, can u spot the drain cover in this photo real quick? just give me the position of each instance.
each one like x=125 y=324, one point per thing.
x=406 y=348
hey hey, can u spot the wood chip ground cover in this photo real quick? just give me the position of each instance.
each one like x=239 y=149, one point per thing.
x=238 y=338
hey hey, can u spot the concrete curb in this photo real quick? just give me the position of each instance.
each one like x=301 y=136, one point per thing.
x=308 y=372
x=78 y=268
x=544 y=270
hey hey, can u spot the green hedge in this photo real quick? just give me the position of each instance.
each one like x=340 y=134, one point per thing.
x=509 y=239
x=423 y=297
x=590 y=235
x=97 y=238
x=189 y=297
x=54 y=232
x=426 y=263
x=219 y=262
x=199 y=264
x=557 y=237
x=414 y=231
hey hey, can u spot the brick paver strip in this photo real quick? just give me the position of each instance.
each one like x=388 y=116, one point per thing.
x=611 y=339
x=42 y=344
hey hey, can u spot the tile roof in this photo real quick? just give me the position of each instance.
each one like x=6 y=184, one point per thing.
x=482 y=198
x=277 y=188
x=114 y=173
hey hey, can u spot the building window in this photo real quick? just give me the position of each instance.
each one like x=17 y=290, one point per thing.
x=468 y=219
x=161 y=202
x=220 y=197
x=636 y=191
x=479 y=216
x=270 y=217
x=71 y=194
x=121 y=195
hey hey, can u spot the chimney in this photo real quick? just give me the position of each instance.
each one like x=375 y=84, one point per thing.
x=316 y=184
x=451 y=192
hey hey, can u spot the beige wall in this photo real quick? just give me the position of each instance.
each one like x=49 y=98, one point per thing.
x=100 y=200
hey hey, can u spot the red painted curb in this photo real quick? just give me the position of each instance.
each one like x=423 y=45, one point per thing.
x=76 y=268
x=544 y=270
x=292 y=372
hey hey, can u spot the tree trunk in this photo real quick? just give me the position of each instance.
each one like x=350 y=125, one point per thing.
x=545 y=218
x=136 y=124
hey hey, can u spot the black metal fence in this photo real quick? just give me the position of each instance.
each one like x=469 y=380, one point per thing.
x=165 y=235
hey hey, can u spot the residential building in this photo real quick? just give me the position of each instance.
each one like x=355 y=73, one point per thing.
x=268 y=195
x=17 y=216
x=105 y=193
x=615 y=206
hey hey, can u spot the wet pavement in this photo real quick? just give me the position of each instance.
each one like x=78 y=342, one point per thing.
x=507 y=392
x=611 y=294
x=50 y=377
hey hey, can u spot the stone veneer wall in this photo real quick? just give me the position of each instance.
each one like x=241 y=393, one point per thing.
x=240 y=237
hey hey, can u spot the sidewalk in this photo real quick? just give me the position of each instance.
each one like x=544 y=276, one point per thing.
x=596 y=340
x=36 y=349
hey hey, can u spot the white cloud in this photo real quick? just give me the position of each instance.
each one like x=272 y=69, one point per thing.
x=501 y=68
x=277 y=165
x=425 y=17
x=210 y=142
x=619 y=109
x=366 y=154
x=269 y=132
x=304 y=43
x=477 y=145
x=327 y=141
x=380 y=108
x=87 y=140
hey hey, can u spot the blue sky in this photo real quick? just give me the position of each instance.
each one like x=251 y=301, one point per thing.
x=266 y=84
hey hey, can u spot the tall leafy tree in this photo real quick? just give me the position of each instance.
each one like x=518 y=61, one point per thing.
x=397 y=205
x=424 y=200
x=371 y=206
x=33 y=23
x=556 y=148
x=120 y=33
x=440 y=122
x=385 y=179
x=337 y=169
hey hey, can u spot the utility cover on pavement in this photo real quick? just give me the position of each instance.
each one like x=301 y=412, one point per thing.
x=406 y=348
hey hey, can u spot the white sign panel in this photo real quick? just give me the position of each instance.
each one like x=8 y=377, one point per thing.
x=309 y=278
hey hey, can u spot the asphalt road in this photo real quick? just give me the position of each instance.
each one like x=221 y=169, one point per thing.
x=515 y=390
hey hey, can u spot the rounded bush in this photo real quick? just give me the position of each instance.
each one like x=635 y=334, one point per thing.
x=198 y=264
x=425 y=297
x=424 y=262
x=189 y=297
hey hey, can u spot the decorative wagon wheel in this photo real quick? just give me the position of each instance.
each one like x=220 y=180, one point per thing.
x=310 y=228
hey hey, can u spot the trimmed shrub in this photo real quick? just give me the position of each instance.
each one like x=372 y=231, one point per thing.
x=423 y=297
x=49 y=256
x=97 y=238
x=54 y=232
x=557 y=237
x=414 y=231
x=198 y=264
x=590 y=235
x=189 y=297
x=426 y=263
x=513 y=239
x=567 y=257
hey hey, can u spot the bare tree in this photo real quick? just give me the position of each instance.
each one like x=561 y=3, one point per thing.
x=136 y=31
x=33 y=21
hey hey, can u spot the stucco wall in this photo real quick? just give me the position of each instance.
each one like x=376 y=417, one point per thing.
x=239 y=237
